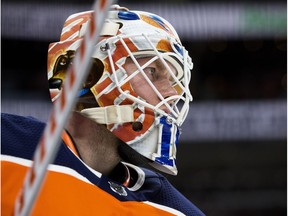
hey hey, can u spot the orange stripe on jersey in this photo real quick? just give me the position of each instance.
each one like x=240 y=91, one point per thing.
x=66 y=194
x=67 y=140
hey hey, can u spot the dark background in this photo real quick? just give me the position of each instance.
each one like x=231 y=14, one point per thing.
x=222 y=175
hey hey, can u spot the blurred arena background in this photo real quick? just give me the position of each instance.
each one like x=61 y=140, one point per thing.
x=232 y=157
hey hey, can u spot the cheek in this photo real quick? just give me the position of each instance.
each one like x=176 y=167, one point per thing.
x=138 y=84
x=142 y=88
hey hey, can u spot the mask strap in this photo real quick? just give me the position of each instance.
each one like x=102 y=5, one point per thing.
x=114 y=114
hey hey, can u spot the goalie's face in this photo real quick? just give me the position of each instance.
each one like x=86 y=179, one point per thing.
x=152 y=81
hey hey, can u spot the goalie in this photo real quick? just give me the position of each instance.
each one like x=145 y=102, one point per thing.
x=129 y=112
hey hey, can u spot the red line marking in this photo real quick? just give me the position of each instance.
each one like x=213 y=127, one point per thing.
x=53 y=123
x=92 y=25
x=63 y=99
x=72 y=77
x=32 y=175
x=42 y=150
x=82 y=49
x=21 y=201
x=102 y=4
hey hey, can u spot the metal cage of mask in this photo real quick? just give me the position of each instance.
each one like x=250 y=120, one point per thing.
x=166 y=124
x=179 y=59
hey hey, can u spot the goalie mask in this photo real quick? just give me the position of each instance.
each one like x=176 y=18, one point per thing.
x=138 y=83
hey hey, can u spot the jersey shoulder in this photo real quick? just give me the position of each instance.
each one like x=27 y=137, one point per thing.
x=156 y=188
x=20 y=135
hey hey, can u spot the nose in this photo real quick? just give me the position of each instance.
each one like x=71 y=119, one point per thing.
x=166 y=90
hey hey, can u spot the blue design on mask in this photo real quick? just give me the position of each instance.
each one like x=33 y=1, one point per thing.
x=83 y=92
x=159 y=21
x=178 y=48
x=127 y=15
x=165 y=143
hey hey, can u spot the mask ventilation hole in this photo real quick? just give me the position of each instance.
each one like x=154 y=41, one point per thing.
x=137 y=126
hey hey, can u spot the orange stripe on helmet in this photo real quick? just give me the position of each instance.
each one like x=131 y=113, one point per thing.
x=156 y=24
x=81 y=18
x=164 y=45
x=121 y=51
x=126 y=132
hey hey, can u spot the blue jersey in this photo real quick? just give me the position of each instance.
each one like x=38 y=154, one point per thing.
x=73 y=188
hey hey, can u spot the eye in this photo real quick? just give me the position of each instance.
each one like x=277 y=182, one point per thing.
x=151 y=73
x=151 y=70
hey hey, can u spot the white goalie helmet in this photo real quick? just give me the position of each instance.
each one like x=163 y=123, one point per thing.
x=139 y=82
